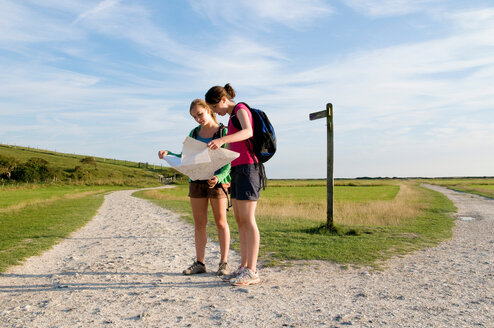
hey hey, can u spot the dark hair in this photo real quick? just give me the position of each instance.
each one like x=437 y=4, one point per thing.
x=214 y=95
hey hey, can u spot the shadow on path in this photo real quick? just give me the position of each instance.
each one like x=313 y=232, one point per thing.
x=212 y=282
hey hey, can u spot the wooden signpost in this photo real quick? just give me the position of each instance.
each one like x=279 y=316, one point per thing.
x=328 y=114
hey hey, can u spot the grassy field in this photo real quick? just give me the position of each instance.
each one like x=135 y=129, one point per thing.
x=33 y=216
x=483 y=187
x=34 y=219
x=63 y=159
x=104 y=171
x=375 y=220
x=16 y=198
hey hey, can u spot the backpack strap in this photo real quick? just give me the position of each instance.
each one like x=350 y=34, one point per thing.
x=195 y=132
x=234 y=118
x=227 y=197
x=218 y=134
x=236 y=124
x=250 y=145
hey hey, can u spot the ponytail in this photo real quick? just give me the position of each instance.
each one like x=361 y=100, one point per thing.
x=229 y=90
x=214 y=95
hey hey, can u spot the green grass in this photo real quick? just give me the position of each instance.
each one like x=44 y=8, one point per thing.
x=33 y=217
x=61 y=159
x=37 y=227
x=299 y=238
x=106 y=172
x=322 y=182
x=318 y=193
x=479 y=186
x=368 y=245
x=10 y=197
x=478 y=189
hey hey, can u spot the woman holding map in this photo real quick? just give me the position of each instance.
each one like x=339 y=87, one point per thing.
x=213 y=190
x=245 y=184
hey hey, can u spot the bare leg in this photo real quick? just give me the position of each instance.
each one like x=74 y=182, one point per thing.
x=248 y=232
x=219 y=210
x=241 y=231
x=200 y=214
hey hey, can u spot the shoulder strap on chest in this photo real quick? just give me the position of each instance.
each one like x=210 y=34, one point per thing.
x=219 y=133
x=195 y=132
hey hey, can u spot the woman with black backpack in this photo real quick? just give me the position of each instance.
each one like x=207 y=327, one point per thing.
x=213 y=190
x=246 y=180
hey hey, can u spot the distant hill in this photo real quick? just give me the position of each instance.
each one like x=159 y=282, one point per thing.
x=24 y=164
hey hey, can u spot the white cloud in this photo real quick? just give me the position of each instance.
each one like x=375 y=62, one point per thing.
x=417 y=102
x=132 y=22
x=383 y=8
x=255 y=14
x=474 y=19
x=390 y=102
x=423 y=75
x=20 y=24
x=292 y=13
x=97 y=10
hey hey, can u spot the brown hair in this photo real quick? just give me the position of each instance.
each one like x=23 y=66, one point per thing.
x=202 y=103
x=214 y=95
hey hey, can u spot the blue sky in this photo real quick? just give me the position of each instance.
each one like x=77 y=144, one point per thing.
x=411 y=82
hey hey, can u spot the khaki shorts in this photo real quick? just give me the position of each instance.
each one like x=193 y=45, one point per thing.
x=202 y=190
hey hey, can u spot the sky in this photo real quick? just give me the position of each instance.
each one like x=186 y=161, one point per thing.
x=411 y=82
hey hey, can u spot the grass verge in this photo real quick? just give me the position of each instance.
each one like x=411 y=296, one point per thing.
x=299 y=236
x=482 y=187
x=32 y=220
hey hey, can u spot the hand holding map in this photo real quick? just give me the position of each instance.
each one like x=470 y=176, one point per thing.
x=199 y=162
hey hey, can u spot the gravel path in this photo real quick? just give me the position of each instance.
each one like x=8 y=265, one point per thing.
x=123 y=269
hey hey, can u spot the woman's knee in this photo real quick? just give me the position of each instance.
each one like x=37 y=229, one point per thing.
x=200 y=225
x=246 y=222
x=222 y=224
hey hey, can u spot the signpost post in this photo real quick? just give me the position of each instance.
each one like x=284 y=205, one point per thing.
x=328 y=114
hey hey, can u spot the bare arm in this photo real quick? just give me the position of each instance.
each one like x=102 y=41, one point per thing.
x=243 y=134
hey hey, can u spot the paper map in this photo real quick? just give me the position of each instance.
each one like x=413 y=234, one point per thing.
x=199 y=162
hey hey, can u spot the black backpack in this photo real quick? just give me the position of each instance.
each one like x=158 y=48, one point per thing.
x=217 y=134
x=263 y=141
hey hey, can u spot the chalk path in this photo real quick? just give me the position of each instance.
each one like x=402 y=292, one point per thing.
x=123 y=269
